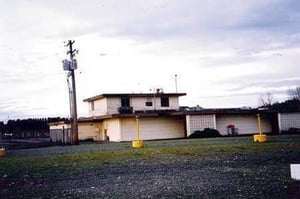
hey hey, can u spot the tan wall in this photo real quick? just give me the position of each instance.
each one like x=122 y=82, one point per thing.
x=152 y=128
x=246 y=124
x=86 y=131
x=199 y=122
x=100 y=133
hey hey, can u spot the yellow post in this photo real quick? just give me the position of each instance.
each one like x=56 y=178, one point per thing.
x=260 y=137
x=259 y=124
x=137 y=128
x=137 y=143
x=2 y=152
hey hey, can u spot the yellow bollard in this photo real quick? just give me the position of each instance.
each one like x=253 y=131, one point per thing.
x=137 y=143
x=259 y=137
x=2 y=152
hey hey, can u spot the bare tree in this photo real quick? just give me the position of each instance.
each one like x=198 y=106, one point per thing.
x=266 y=99
x=294 y=94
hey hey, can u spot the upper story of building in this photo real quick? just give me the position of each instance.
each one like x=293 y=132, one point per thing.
x=118 y=103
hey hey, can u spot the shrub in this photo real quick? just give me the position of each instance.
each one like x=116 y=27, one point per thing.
x=206 y=133
x=294 y=131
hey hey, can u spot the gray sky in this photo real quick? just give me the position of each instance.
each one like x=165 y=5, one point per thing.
x=225 y=52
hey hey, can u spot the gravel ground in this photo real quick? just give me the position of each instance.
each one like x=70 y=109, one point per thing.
x=156 y=172
x=180 y=178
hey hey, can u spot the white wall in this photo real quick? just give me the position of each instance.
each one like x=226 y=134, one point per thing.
x=60 y=133
x=174 y=103
x=113 y=129
x=289 y=120
x=100 y=107
x=152 y=128
x=113 y=103
x=246 y=124
x=200 y=122
x=138 y=103
x=59 y=126
x=85 y=130
x=100 y=133
x=107 y=106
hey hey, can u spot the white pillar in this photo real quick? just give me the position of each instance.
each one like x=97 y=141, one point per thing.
x=279 y=122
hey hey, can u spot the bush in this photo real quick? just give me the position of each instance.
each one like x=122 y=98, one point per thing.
x=206 y=133
x=294 y=131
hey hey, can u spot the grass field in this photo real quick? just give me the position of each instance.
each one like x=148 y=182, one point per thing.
x=230 y=167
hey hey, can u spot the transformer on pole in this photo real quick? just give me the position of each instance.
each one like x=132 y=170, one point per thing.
x=70 y=66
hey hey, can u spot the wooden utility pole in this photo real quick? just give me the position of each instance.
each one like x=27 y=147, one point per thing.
x=73 y=104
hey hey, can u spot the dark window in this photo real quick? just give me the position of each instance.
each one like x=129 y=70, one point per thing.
x=148 y=102
x=164 y=101
x=125 y=102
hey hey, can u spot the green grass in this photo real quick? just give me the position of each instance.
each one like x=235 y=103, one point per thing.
x=18 y=166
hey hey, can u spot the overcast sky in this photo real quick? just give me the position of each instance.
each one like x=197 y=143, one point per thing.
x=226 y=53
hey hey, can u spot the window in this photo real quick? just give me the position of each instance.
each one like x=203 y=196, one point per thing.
x=148 y=101
x=164 y=101
x=125 y=102
x=92 y=105
x=125 y=105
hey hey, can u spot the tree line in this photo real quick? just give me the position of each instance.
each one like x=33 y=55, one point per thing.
x=30 y=127
x=292 y=104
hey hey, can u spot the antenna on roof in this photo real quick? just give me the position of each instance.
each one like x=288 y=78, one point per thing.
x=176 y=83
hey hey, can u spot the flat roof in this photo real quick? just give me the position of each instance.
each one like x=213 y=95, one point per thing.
x=169 y=113
x=106 y=95
x=225 y=111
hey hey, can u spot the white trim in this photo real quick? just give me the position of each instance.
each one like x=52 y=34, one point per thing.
x=279 y=122
x=215 y=121
x=188 y=125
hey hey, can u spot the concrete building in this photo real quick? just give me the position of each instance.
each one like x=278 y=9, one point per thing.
x=112 y=117
x=234 y=121
x=288 y=120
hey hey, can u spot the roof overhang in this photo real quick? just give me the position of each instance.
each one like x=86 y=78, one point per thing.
x=109 y=95
x=226 y=111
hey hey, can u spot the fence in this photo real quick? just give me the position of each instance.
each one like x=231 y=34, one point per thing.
x=61 y=136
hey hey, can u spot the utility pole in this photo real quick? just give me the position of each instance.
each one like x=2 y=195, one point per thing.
x=71 y=66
